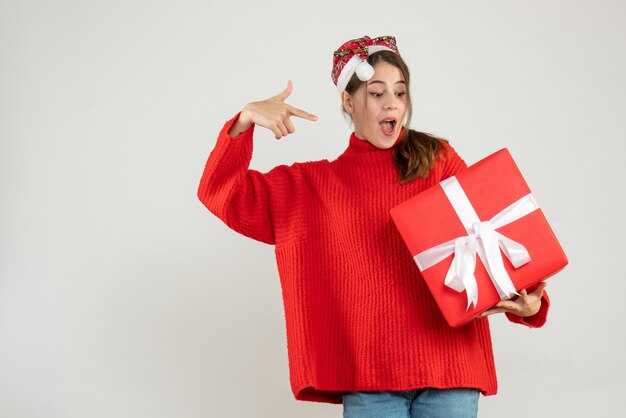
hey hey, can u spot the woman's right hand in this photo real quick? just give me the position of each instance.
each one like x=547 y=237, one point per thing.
x=272 y=113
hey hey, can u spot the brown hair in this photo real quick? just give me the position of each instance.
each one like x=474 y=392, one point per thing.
x=416 y=152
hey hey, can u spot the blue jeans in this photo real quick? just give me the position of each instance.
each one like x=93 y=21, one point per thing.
x=414 y=403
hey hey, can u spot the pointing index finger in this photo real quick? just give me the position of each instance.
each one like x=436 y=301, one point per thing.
x=301 y=113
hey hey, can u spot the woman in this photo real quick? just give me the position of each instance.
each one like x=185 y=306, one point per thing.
x=362 y=327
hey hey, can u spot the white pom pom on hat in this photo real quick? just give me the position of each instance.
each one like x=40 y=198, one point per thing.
x=364 y=71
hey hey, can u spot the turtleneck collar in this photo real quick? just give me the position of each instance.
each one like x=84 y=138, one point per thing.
x=357 y=145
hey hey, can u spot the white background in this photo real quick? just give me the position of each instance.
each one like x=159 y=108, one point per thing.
x=121 y=296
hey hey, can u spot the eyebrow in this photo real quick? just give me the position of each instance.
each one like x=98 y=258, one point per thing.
x=381 y=82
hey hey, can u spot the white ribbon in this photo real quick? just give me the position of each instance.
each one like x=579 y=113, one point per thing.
x=481 y=238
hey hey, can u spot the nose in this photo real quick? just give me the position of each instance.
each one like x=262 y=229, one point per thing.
x=391 y=103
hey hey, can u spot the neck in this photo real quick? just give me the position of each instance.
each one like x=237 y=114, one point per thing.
x=361 y=145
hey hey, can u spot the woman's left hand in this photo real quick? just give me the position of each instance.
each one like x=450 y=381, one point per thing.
x=526 y=304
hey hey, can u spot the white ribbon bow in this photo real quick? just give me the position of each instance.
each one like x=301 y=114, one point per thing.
x=481 y=238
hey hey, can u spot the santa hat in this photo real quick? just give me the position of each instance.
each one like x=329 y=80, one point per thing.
x=352 y=56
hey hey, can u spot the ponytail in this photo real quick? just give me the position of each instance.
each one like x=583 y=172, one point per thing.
x=415 y=155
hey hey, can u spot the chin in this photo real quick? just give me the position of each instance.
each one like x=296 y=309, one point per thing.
x=391 y=141
x=388 y=143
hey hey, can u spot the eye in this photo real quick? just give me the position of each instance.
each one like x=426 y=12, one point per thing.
x=401 y=93
x=375 y=94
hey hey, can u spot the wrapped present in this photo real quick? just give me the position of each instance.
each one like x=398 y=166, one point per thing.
x=479 y=237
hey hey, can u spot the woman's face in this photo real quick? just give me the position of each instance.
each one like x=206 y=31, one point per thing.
x=386 y=101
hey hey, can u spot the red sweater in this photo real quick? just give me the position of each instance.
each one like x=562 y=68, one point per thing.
x=358 y=313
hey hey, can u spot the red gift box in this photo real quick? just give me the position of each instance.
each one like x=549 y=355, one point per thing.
x=479 y=237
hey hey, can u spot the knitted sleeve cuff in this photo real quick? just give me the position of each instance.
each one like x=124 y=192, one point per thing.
x=242 y=135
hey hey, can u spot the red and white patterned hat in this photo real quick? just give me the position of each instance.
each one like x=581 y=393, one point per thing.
x=352 y=56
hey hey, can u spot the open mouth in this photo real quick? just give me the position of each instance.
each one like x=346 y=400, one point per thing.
x=388 y=126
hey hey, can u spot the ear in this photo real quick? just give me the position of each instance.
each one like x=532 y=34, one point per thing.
x=347 y=102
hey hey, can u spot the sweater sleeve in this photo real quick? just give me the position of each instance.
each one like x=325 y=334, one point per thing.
x=247 y=201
